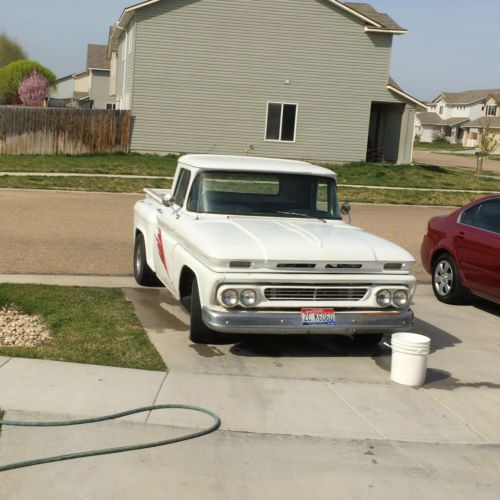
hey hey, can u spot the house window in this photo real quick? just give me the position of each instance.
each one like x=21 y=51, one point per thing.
x=281 y=121
x=491 y=110
x=110 y=106
x=441 y=108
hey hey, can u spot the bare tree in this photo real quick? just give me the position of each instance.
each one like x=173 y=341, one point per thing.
x=486 y=144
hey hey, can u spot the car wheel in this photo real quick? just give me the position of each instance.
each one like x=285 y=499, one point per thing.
x=199 y=333
x=446 y=282
x=143 y=274
x=369 y=339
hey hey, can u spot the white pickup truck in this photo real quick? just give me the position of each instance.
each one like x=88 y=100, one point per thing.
x=257 y=245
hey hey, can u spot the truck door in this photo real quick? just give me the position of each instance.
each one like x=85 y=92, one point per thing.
x=165 y=237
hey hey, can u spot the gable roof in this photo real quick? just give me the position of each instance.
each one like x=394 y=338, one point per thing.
x=394 y=87
x=466 y=97
x=376 y=21
x=384 y=20
x=97 y=57
x=430 y=118
x=481 y=122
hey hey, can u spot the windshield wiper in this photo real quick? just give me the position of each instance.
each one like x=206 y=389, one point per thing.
x=306 y=216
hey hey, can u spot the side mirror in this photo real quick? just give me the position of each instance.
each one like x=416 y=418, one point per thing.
x=345 y=209
x=168 y=200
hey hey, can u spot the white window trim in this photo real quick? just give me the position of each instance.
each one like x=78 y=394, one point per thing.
x=283 y=104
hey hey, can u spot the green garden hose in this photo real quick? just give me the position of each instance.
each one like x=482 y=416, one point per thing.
x=107 y=451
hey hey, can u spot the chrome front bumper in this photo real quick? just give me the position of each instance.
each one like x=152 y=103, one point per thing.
x=289 y=322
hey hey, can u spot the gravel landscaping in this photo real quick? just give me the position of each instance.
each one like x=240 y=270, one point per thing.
x=22 y=330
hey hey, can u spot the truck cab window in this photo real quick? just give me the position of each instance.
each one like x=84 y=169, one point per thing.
x=181 y=187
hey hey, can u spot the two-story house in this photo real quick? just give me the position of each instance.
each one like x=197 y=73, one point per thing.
x=449 y=114
x=278 y=78
x=490 y=117
x=89 y=88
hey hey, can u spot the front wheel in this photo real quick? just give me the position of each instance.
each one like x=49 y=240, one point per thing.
x=446 y=282
x=143 y=274
x=199 y=332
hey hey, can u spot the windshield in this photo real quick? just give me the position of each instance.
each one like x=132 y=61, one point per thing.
x=268 y=194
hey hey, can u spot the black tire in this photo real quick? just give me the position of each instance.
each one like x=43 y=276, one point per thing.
x=369 y=339
x=143 y=274
x=199 y=333
x=446 y=282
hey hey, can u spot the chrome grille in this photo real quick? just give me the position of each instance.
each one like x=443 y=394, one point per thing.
x=316 y=293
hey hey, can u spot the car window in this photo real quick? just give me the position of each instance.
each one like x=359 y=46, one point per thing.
x=181 y=187
x=484 y=215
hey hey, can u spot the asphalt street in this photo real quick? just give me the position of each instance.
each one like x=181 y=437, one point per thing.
x=48 y=232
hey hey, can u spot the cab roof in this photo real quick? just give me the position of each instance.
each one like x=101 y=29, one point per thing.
x=253 y=164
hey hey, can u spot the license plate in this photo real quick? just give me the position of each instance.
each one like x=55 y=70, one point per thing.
x=314 y=316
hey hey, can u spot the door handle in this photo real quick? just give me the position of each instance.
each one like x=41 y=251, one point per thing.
x=461 y=235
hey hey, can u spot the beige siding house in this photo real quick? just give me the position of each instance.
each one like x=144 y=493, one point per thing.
x=89 y=88
x=278 y=78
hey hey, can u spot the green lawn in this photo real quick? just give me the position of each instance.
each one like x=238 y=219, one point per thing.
x=105 y=184
x=421 y=176
x=119 y=163
x=439 y=146
x=89 y=325
x=410 y=176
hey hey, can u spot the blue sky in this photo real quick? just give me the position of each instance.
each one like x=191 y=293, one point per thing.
x=450 y=45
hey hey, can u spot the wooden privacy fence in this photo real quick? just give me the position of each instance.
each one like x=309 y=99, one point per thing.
x=63 y=131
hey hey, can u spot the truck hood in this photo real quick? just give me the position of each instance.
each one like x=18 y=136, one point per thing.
x=264 y=241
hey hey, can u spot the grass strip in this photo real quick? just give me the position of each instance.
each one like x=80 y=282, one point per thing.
x=414 y=176
x=102 y=184
x=89 y=325
x=385 y=196
x=118 y=163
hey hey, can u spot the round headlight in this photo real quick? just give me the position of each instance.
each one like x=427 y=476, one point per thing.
x=230 y=298
x=383 y=298
x=248 y=298
x=400 y=298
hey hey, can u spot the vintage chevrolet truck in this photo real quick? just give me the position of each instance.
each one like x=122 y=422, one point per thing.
x=258 y=245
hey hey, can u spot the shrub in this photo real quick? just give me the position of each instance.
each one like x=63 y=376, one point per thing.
x=10 y=51
x=14 y=73
x=33 y=90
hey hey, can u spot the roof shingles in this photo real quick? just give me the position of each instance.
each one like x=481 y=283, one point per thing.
x=365 y=9
x=97 y=57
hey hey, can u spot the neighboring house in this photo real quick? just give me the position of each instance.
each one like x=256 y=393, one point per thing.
x=90 y=88
x=449 y=113
x=490 y=117
x=302 y=79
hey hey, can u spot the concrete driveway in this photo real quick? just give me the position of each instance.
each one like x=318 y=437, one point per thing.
x=49 y=232
x=303 y=417
x=321 y=418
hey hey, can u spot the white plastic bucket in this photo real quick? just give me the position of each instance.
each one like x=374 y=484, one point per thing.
x=409 y=358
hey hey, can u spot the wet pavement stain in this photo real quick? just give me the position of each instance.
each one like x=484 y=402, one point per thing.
x=152 y=316
x=257 y=347
x=206 y=351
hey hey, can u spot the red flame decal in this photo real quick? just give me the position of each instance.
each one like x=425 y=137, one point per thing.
x=161 y=249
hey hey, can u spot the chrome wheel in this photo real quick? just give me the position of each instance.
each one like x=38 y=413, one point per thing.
x=443 y=278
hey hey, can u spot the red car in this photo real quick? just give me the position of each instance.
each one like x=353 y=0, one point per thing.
x=462 y=252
